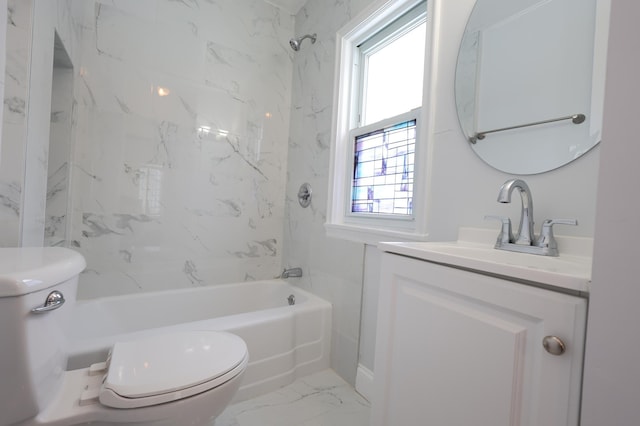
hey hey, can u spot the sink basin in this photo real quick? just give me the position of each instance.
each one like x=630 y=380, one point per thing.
x=570 y=271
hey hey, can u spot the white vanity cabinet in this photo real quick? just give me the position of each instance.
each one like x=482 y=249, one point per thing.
x=459 y=348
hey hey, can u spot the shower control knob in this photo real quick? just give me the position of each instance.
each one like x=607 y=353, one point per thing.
x=554 y=345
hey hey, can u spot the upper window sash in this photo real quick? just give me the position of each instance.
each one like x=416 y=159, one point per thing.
x=394 y=30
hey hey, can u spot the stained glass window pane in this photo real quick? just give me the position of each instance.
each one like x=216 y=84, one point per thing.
x=383 y=170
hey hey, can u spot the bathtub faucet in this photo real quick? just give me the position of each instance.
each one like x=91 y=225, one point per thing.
x=291 y=273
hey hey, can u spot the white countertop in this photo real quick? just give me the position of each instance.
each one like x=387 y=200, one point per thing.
x=474 y=250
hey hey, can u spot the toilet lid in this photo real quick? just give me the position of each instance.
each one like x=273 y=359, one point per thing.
x=169 y=365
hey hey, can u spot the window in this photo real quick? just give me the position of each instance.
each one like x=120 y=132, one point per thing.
x=391 y=66
x=376 y=140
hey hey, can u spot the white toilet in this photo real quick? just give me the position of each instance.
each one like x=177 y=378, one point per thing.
x=180 y=378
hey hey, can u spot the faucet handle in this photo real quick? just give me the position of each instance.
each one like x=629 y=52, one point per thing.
x=546 y=238
x=506 y=235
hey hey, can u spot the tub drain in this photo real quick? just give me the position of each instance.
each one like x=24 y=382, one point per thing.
x=291 y=299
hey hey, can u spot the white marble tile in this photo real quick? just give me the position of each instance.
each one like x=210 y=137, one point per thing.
x=203 y=164
x=178 y=51
x=333 y=268
x=321 y=399
x=23 y=206
x=144 y=9
x=189 y=185
x=124 y=37
x=14 y=119
x=57 y=197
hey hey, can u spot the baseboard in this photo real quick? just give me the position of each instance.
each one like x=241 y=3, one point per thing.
x=364 y=382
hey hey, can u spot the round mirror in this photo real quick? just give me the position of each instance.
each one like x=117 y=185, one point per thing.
x=529 y=82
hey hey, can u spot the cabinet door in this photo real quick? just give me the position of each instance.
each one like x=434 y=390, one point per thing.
x=456 y=348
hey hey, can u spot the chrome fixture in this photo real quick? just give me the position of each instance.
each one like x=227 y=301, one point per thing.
x=54 y=300
x=525 y=241
x=525 y=230
x=304 y=195
x=575 y=119
x=506 y=235
x=546 y=241
x=291 y=273
x=291 y=300
x=295 y=42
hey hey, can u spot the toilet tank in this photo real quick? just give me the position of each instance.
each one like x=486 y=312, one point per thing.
x=33 y=345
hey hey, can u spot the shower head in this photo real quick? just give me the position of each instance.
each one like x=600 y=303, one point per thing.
x=295 y=42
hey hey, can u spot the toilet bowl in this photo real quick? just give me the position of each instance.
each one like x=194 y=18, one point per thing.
x=177 y=378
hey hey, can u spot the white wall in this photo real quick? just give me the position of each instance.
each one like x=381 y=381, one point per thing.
x=612 y=375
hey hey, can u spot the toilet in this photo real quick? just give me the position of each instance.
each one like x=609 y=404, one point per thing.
x=175 y=378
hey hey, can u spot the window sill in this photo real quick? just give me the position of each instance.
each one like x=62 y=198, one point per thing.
x=372 y=236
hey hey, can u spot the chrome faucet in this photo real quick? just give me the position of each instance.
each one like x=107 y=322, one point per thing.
x=525 y=241
x=525 y=235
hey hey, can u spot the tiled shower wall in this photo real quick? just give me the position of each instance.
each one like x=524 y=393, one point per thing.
x=333 y=268
x=22 y=213
x=14 y=119
x=181 y=144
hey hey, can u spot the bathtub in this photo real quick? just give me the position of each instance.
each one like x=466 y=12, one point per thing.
x=284 y=341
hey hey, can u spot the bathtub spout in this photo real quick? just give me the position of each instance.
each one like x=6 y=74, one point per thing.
x=291 y=273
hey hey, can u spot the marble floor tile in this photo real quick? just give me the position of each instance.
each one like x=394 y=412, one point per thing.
x=321 y=399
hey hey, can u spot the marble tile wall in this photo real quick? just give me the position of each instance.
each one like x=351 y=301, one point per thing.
x=49 y=18
x=18 y=39
x=27 y=98
x=181 y=144
x=333 y=268
x=3 y=56
x=60 y=138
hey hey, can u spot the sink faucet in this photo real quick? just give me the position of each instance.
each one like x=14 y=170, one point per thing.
x=525 y=235
x=525 y=241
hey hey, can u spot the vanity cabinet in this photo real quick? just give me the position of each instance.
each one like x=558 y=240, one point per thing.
x=459 y=348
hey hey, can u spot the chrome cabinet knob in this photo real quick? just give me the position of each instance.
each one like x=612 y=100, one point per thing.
x=554 y=345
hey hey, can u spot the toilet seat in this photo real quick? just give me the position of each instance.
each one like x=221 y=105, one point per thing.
x=169 y=367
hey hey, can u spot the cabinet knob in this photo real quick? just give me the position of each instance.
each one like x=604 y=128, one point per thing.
x=554 y=345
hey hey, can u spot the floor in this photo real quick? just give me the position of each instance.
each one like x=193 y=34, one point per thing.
x=321 y=399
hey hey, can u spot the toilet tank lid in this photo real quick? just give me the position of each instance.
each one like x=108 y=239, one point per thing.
x=26 y=270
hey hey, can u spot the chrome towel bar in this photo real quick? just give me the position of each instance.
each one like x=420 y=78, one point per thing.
x=576 y=119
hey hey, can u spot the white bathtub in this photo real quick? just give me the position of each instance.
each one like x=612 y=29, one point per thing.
x=284 y=341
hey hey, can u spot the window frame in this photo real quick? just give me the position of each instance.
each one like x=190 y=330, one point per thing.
x=372 y=229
